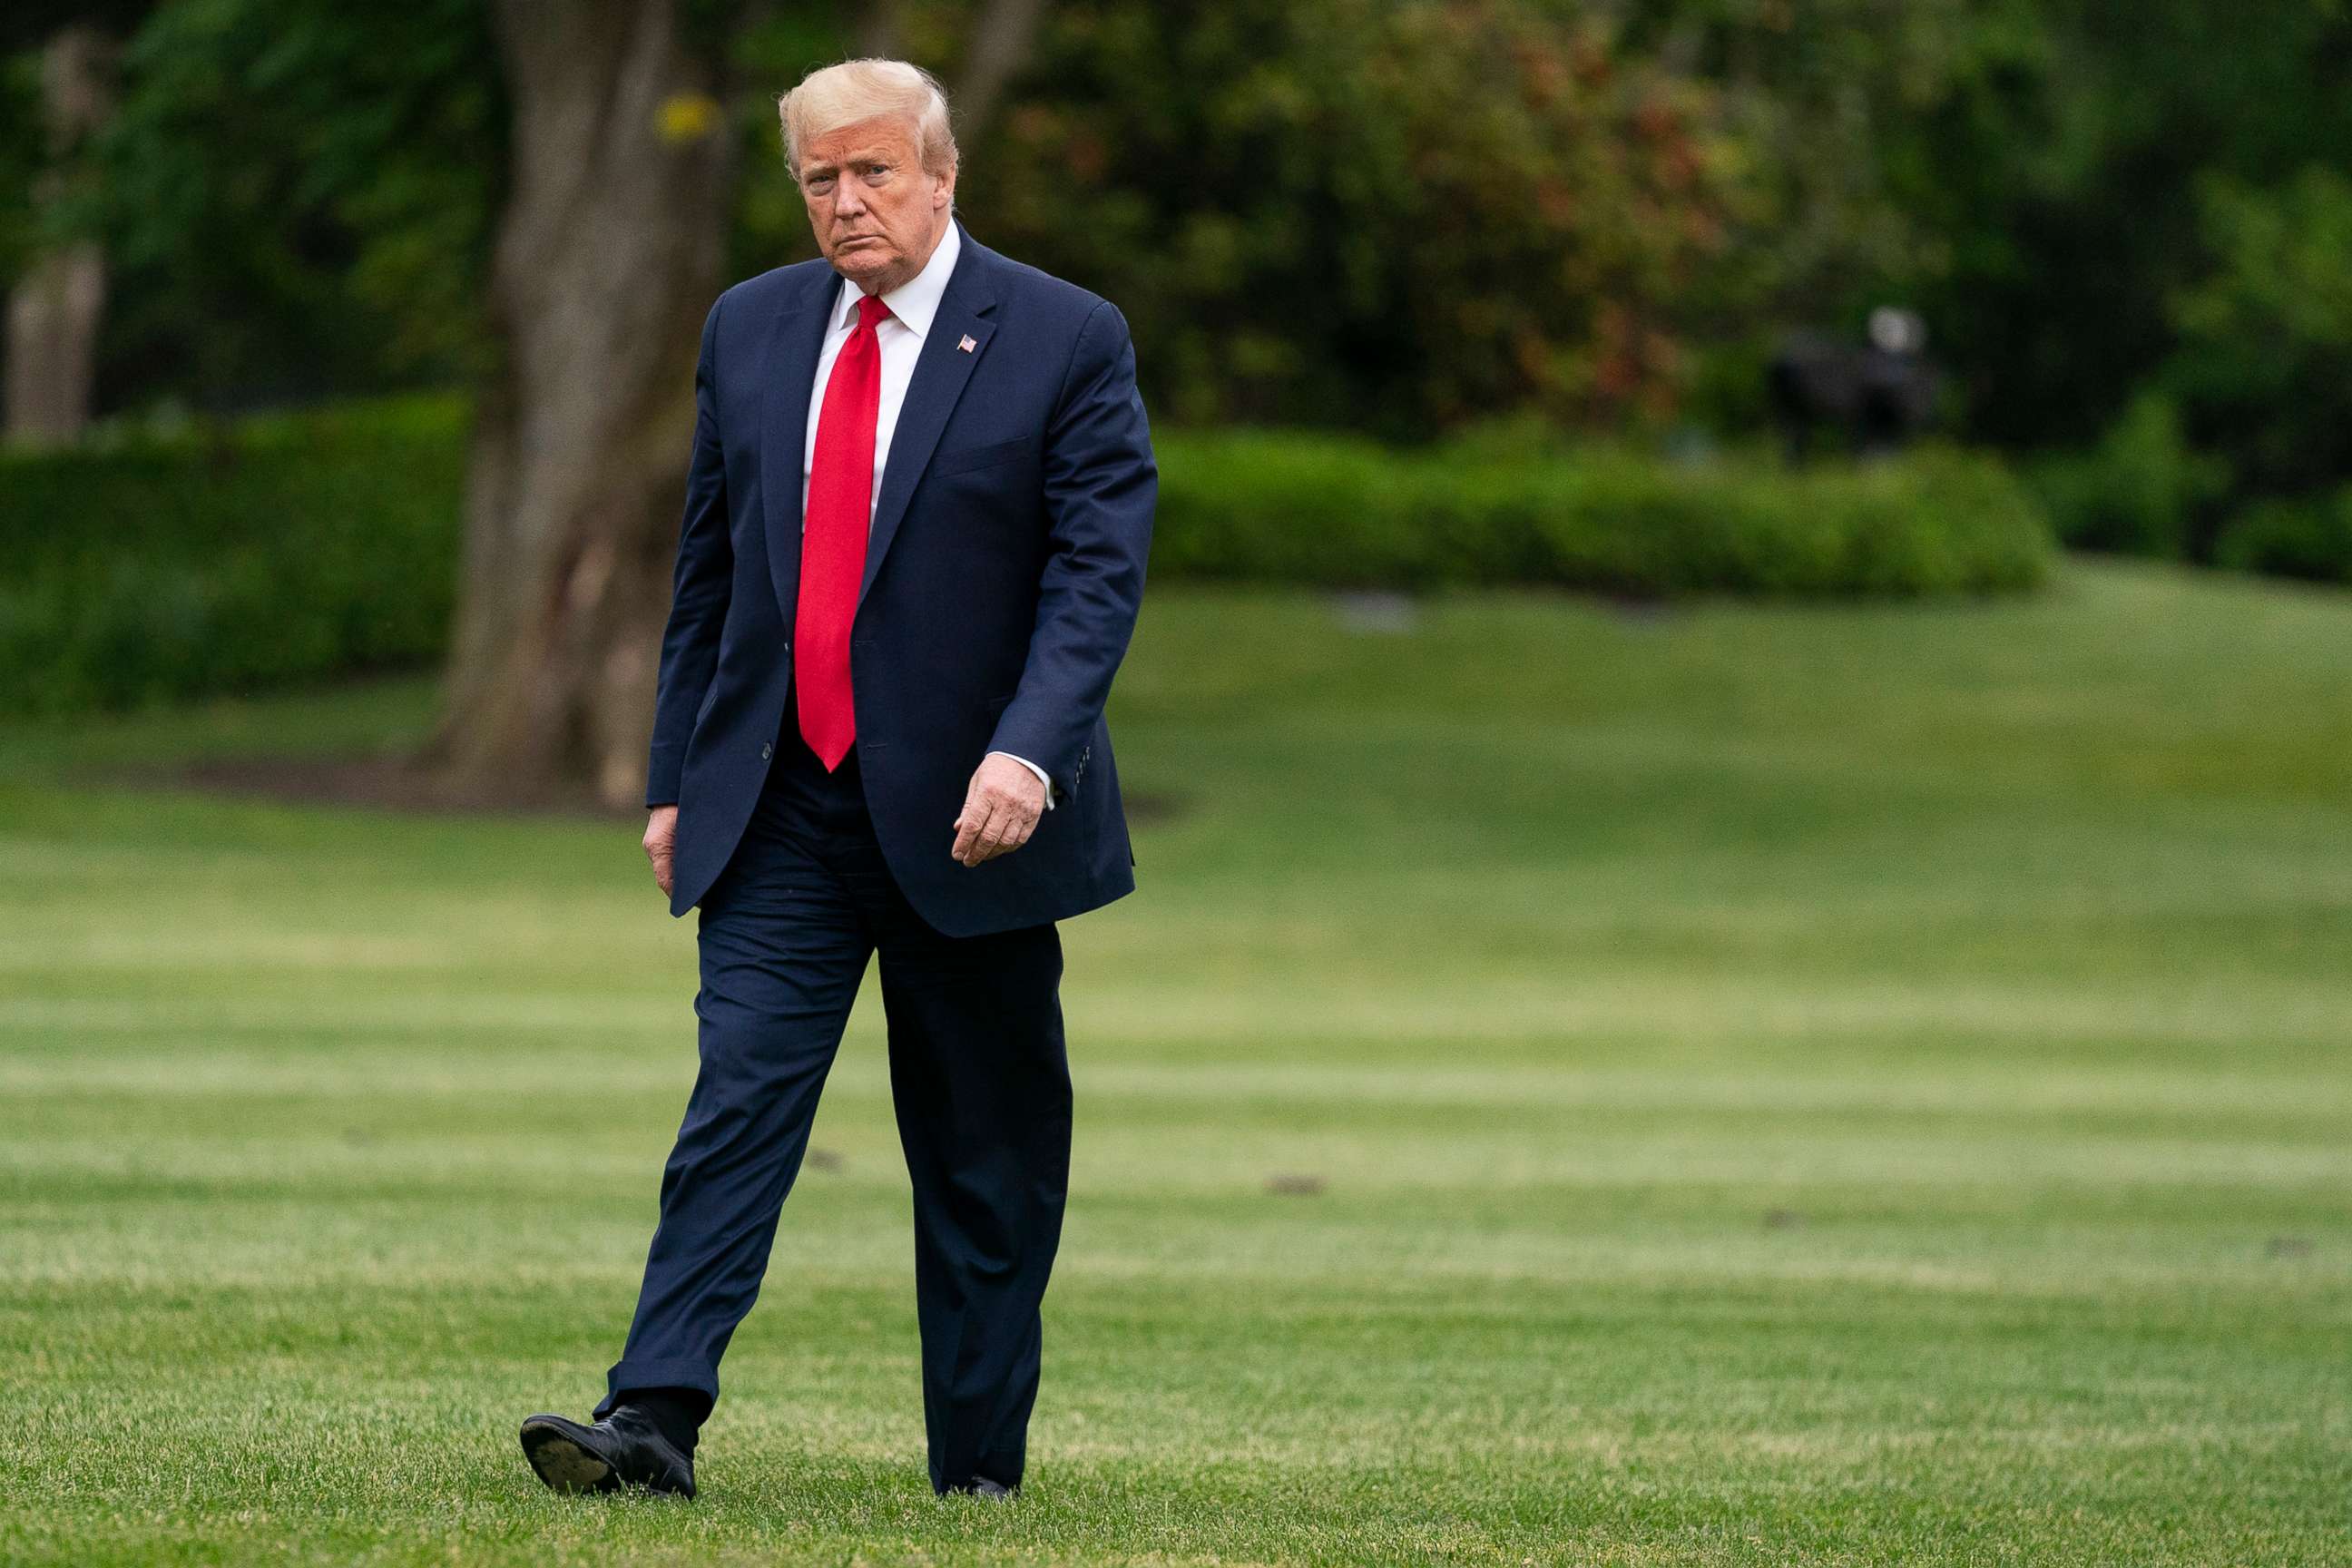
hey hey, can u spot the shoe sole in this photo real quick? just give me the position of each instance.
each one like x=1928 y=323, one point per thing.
x=563 y=1464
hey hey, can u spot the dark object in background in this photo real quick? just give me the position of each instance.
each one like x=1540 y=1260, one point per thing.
x=1881 y=394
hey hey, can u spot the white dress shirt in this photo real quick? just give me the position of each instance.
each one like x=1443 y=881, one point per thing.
x=899 y=335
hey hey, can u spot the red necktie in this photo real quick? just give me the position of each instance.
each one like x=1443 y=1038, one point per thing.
x=832 y=539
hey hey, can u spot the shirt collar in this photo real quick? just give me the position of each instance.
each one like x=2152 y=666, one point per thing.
x=914 y=303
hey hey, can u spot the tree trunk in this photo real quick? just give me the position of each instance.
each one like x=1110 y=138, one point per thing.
x=608 y=254
x=55 y=308
x=1004 y=37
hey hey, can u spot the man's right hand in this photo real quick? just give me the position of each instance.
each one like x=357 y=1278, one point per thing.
x=661 y=836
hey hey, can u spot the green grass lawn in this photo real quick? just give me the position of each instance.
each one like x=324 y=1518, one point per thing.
x=1852 y=1085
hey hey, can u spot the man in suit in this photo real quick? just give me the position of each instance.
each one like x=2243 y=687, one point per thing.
x=913 y=551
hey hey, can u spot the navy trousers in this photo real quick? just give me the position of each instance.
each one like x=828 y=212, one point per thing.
x=979 y=1080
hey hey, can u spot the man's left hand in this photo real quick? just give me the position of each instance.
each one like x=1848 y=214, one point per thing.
x=1001 y=810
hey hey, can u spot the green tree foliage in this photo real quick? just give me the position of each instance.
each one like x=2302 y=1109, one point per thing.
x=2140 y=489
x=2126 y=227
x=1393 y=217
x=300 y=198
x=297 y=198
x=2264 y=353
x=21 y=158
x=2058 y=183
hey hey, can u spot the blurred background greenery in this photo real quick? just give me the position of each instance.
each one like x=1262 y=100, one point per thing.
x=1543 y=247
x=1700 y=991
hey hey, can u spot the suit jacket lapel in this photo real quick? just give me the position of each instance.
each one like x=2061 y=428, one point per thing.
x=941 y=369
x=785 y=386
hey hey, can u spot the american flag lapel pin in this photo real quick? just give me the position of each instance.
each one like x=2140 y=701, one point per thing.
x=965 y=343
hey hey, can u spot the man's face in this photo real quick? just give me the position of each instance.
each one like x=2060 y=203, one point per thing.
x=876 y=212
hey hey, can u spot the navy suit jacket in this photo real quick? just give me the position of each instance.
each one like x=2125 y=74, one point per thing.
x=1003 y=578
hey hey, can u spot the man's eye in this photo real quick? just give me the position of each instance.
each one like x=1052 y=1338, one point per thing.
x=821 y=183
x=876 y=173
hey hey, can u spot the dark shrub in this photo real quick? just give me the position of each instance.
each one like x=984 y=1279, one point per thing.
x=2304 y=537
x=298 y=546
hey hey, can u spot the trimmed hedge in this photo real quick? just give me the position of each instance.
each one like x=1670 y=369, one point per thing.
x=294 y=547
x=308 y=545
x=1338 y=512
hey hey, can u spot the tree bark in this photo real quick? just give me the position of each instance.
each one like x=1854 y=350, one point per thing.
x=608 y=254
x=877 y=30
x=1002 y=39
x=56 y=308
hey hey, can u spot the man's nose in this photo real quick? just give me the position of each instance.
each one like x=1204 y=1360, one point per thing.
x=846 y=203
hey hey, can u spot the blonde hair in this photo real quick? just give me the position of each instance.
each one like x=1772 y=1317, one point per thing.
x=838 y=95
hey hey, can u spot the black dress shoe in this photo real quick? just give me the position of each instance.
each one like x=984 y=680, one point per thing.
x=981 y=1486
x=623 y=1450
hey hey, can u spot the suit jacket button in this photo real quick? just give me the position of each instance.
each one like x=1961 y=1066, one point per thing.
x=767 y=750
